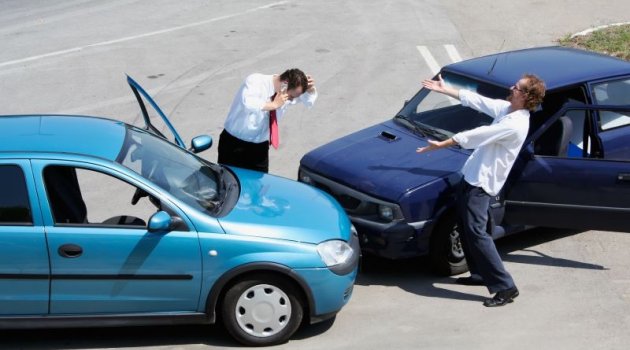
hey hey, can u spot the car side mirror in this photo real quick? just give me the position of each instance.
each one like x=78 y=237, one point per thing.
x=160 y=222
x=200 y=143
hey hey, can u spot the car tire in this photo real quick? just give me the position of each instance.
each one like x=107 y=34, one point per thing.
x=262 y=310
x=445 y=251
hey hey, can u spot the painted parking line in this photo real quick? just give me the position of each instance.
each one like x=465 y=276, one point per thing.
x=429 y=59
x=140 y=36
x=452 y=53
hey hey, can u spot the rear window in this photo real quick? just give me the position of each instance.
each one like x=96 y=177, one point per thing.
x=14 y=204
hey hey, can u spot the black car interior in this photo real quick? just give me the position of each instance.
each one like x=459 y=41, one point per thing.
x=66 y=201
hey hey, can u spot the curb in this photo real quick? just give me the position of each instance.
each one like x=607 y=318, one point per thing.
x=590 y=30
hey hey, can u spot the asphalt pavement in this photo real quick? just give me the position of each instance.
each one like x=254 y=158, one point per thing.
x=367 y=58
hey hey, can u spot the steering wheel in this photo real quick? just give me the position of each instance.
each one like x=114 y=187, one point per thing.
x=137 y=195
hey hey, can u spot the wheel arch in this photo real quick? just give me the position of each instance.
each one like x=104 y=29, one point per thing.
x=232 y=276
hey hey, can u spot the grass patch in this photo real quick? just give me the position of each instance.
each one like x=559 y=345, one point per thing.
x=613 y=41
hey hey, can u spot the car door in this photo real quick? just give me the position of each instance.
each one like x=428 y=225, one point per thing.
x=103 y=259
x=24 y=268
x=582 y=188
x=155 y=121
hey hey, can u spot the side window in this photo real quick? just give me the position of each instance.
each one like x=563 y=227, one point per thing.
x=612 y=93
x=14 y=203
x=87 y=197
x=570 y=135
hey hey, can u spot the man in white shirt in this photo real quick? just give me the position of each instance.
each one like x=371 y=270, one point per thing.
x=251 y=124
x=496 y=147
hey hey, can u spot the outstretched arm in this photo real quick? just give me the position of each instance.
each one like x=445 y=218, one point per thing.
x=433 y=145
x=441 y=87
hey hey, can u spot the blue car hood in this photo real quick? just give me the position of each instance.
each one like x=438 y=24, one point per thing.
x=383 y=165
x=275 y=207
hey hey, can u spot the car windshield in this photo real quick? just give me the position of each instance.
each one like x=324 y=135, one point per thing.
x=438 y=116
x=188 y=178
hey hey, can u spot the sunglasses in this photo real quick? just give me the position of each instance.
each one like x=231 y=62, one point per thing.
x=515 y=87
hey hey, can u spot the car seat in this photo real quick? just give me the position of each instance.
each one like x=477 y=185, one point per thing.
x=555 y=140
x=64 y=195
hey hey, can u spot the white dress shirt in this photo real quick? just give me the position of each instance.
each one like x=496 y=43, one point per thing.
x=246 y=119
x=496 y=145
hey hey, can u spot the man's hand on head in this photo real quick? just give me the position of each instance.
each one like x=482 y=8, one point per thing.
x=311 y=84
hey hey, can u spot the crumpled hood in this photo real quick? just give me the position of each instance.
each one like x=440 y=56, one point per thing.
x=382 y=161
x=275 y=207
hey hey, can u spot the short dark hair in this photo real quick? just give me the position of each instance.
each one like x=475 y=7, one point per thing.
x=534 y=90
x=295 y=78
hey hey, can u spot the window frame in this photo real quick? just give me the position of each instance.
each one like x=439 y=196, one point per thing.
x=21 y=171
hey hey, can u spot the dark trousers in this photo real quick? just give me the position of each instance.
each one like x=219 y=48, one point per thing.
x=236 y=152
x=481 y=254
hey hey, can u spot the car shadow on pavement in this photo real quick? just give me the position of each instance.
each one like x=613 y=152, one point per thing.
x=412 y=275
x=117 y=337
x=415 y=275
x=525 y=240
x=131 y=337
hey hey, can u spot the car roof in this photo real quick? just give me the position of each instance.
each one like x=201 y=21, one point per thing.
x=557 y=66
x=84 y=135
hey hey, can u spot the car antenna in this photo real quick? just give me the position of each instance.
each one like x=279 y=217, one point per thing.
x=496 y=58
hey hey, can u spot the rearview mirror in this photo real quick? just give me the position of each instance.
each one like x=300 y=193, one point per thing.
x=160 y=222
x=200 y=143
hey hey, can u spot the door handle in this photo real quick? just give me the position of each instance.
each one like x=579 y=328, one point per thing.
x=70 y=251
x=623 y=177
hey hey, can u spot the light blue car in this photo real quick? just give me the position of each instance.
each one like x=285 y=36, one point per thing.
x=107 y=224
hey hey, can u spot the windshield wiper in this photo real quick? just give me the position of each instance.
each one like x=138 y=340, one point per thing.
x=422 y=129
x=410 y=124
x=439 y=134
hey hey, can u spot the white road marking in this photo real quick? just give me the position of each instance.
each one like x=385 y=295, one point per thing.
x=134 y=37
x=428 y=58
x=452 y=53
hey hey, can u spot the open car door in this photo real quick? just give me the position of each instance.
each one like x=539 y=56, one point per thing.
x=156 y=124
x=581 y=183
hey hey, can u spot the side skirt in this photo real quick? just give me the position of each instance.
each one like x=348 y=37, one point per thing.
x=114 y=320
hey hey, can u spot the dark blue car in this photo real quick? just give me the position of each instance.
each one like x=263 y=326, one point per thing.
x=573 y=170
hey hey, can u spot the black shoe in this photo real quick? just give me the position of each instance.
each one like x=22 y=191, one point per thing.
x=470 y=281
x=502 y=297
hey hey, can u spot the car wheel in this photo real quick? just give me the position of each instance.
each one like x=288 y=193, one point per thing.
x=262 y=310
x=446 y=252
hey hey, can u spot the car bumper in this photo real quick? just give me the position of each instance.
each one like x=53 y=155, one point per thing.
x=396 y=240
x=329 y=292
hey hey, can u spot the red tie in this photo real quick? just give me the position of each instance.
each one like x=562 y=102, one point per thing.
x=274 y=138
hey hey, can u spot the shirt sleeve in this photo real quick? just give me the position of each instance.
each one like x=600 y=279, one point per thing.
x=484 y=135
x=489 y=106
x=252 y=94
x=308 y=98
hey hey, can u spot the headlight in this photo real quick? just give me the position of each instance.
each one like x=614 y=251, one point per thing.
x=339 y=256
x=334 y=252
x=386 y=212
x=303 y=177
